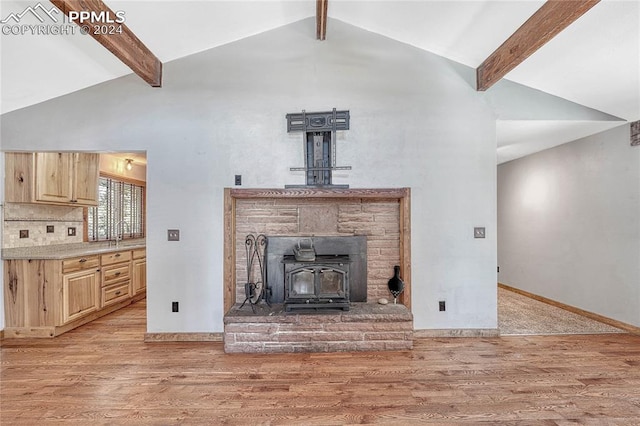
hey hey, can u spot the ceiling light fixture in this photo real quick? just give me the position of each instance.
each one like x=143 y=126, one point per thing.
x=129 y=166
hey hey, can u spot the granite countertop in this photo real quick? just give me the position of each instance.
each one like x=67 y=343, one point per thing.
x=64 y=251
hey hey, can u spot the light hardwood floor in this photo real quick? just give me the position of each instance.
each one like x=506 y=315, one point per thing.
x=103 y=373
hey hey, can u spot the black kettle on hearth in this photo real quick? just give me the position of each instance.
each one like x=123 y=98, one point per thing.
x=395 y=284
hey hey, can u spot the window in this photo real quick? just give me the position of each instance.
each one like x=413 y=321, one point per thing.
x=120 y=211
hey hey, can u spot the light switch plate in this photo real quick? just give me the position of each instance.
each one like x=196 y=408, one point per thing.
x=50 y=229
x=478 y=232
x=173 y=235
x=71 y=231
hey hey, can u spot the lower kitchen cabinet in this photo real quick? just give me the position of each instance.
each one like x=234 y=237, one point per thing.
x=79 y=295
x=116 y=278
x=32 y=297
x=139 y=271
x=80 y=286
x=45 y=298
x=114 y=293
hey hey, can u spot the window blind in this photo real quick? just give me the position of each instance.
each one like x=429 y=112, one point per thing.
x=120 y=211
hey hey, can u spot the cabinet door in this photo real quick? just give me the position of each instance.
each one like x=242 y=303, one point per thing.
x=18 y=172
x=80 y=294
x=86 y=171
x=53 y=171
x=139 y=275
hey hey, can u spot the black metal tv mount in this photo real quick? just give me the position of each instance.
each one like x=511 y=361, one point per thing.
x=319 y=141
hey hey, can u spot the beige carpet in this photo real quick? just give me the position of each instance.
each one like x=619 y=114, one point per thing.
x=521 y=315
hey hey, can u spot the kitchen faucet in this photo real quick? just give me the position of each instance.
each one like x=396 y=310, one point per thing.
x=119 y=231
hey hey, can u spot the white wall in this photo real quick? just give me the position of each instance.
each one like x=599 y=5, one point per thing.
x=569 y=224
x=1 y=242
x=414 y=122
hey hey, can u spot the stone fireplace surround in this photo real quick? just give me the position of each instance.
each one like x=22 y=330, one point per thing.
x=382 y=215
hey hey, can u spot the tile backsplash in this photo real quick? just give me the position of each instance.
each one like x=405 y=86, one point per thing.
x=37 y=219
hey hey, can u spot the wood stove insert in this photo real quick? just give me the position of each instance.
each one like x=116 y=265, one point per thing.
x=336 y=248
x=322 y=283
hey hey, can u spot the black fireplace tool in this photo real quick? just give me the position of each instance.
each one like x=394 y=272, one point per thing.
x=255 y=289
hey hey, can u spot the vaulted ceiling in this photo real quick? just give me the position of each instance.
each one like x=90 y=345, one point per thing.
x=595 y=62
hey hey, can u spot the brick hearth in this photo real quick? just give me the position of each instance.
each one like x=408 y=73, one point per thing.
x=366 y=327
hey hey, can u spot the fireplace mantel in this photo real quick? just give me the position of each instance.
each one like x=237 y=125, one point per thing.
x=315 y=196
x=380 y=193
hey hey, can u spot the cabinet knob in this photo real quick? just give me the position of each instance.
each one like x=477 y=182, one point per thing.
x=117 y=293
x=117 y=255
x=82 y=260
x=118 y=273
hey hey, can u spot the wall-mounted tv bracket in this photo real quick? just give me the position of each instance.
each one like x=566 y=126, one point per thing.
x=319 y=142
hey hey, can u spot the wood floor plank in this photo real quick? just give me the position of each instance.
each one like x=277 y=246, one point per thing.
x=104 y=373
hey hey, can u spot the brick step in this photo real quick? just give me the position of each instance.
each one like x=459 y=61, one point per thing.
x=365 y=327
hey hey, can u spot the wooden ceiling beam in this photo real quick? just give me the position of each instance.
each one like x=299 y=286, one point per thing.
x=123 y=44
x=321 y=19
x=553 y=17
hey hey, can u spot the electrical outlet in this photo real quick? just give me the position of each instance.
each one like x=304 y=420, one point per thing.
x=50 y=229
x=24 y=233
x=442 y=306
x=71 y=231
x=174 y=306
x=478 y=232
x=238 y=180
x=498 y=269
x=173 y=235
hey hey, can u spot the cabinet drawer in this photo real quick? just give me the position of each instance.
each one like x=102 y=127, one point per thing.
x=80 y=264
x=140 y=253
x=114 y=293
x=115 y=257
x=115 y=274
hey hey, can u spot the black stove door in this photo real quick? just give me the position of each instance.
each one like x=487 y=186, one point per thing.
x=301 y=284
x=331 y=283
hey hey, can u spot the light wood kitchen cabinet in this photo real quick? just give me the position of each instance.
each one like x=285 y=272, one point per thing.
x=139 y=271
x=62 y=178
x=116 y=277
x=53 y=177
x=79 y=294
x=80 y=287
x=80 y=264
x=32 y=294
x=42 y=295
x=45 y=298
x=115 y=257
x=86 y=173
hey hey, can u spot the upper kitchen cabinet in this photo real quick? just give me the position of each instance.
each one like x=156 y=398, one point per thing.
x=62 y=178
x=86 y=175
